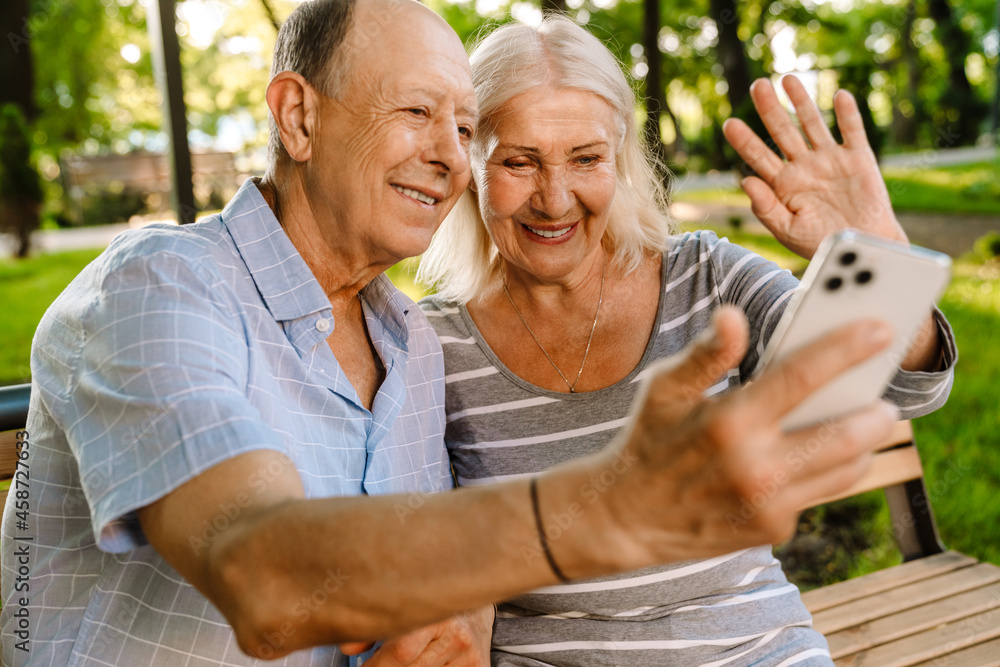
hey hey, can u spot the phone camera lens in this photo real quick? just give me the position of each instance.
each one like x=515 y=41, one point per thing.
x=834 y=283
x=862 y=277
x=848 y=258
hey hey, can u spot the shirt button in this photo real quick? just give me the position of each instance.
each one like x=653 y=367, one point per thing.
x=323 y=324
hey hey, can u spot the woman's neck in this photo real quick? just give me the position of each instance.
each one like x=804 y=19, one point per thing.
x=572 y=295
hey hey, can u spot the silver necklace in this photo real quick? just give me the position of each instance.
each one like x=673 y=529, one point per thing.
x=593 y=328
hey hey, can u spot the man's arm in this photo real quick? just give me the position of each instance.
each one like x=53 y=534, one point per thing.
x=290 y=573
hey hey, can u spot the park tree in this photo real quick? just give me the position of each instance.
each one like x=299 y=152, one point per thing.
x=20 y=190
x=959 y=107
x=20 y=184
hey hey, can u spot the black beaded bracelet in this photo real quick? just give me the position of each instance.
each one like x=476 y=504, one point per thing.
x=541 y=532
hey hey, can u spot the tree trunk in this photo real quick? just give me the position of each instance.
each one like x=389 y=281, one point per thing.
x=17 y=71
x=995 y=119
x=959 y=97
x=905 y=127
x=736 y=69
x=19 y=205
x=655 y=94
x=679 y=145
x=730 y=53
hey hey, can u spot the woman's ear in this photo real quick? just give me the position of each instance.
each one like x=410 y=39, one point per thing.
x=292 y=102
x=473 y=186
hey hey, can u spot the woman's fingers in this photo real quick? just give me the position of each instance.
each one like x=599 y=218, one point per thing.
x=810 y=118
x=779 y=124
x=752 y=149
x=766 y=206
x=852 y=127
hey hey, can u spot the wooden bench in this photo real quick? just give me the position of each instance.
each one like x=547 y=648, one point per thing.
x=13 y=415
x=939 y=608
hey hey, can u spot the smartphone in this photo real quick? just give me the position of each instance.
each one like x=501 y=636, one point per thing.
x=855 y=276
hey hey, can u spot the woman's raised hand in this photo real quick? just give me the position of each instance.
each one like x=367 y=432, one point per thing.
x=821 y=186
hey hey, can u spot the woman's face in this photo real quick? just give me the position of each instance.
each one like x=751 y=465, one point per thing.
x=547 y=181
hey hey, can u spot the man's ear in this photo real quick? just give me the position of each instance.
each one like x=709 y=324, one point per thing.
x=292 y=102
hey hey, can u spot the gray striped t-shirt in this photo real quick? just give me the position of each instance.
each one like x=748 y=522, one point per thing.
x=736 y=609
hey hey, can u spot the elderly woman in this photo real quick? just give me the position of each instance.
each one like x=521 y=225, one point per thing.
x=559 y=283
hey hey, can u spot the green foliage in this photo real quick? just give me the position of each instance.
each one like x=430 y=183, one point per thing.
x=90 y=96
x=987 y=247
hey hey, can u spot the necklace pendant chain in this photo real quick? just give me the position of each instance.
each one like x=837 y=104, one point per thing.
x=593 y=328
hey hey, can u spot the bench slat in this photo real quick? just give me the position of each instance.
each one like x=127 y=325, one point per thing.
x=912 y=621
x=8 y=453
x=929 y=644
x=980 y=655
x=906 y=597
x=887 y=468
x=883 y=580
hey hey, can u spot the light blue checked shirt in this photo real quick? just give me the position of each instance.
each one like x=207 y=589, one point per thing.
x=177 y=349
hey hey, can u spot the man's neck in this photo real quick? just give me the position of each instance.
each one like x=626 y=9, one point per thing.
x=342 y=272
x=341 y=275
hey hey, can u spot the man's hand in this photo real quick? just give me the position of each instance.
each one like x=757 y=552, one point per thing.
x=460 y=641
x=698 y=477
x=820 y=188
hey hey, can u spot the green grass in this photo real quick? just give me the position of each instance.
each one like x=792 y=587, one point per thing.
x=27 y=287
x=726 y=196
x=969 y=188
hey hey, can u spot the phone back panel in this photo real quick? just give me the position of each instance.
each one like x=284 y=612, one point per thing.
x=856 y=277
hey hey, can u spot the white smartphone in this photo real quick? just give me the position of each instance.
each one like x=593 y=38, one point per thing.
x=855 y=276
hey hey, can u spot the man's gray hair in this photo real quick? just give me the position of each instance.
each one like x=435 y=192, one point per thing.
x=309 y=44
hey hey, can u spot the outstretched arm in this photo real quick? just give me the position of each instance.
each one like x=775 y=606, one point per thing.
x=289 y=573
x=821 y=186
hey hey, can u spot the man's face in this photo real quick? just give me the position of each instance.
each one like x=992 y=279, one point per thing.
x=390 y=155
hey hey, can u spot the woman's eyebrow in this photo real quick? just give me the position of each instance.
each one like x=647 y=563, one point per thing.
x=586 y=146
x=522 y=149
x=532 y=149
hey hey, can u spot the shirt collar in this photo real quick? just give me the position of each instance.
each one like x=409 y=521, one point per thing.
x=283 y=279
x=389 y=305
x=287 y=284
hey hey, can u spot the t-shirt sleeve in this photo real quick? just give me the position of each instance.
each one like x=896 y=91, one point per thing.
x=918 y=393
x=156 y=393
x=755 y=285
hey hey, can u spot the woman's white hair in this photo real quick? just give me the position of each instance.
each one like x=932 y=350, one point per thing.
x=462 y=258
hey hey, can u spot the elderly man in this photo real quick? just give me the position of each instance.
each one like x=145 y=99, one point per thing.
x=212 y=405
